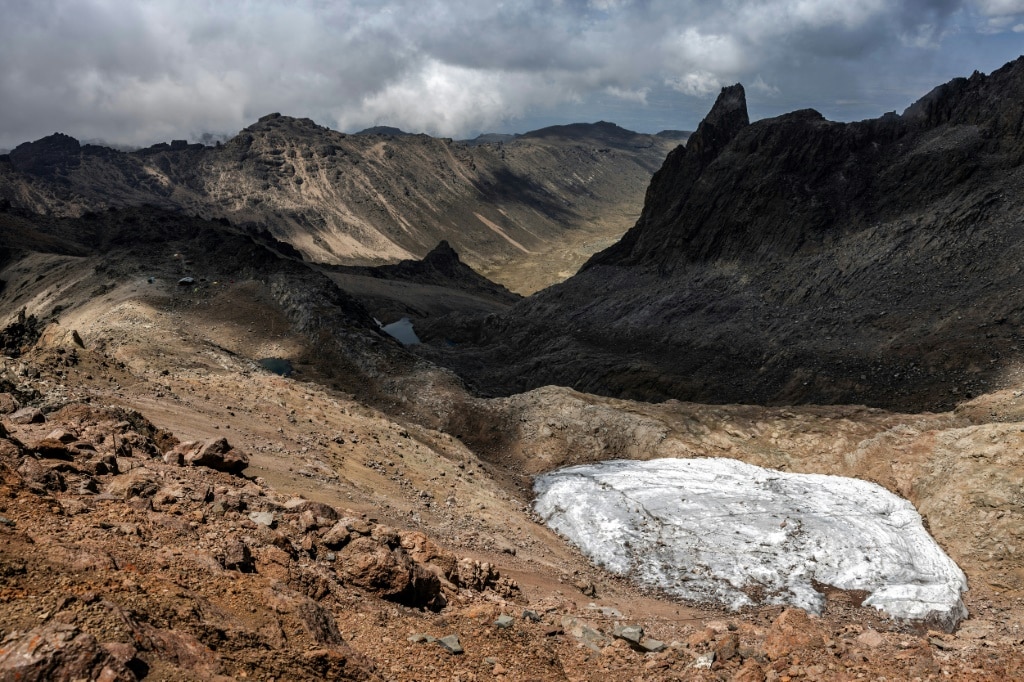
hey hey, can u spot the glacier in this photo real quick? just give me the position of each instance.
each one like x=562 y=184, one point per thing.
x=733 y=533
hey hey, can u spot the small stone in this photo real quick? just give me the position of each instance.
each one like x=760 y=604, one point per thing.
x=651 y=645
x=531 y=615
x=593 y=639
x=451 y=644
x=704 y=661
x=871 y=639
x=421 y=638
x=726 y=647
x=587 y=587
x=262 y=518
x=631 y=633
x=61 y=436
x=504 y=622
x=28 y=415
x=237 y=557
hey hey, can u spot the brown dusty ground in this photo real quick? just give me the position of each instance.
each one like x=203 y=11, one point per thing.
x=146 y=568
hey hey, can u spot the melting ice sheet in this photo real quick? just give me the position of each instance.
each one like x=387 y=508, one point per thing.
x=737 y=534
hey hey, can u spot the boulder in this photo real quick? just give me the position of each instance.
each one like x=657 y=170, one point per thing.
x=793 y=631
x=57 y=651
x=237 y=557
x=27 y=415
x=337 y=537
x=215 y=454
x=391 y=573
x=8 y=403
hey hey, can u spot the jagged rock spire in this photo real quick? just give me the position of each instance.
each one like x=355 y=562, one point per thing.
x=672 y=184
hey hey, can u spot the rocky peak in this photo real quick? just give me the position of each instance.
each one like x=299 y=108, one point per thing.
x=442 y=255
x=443 y=267
x=44 y=155
x=383 y=130
x=725 y=120
x=673 y=183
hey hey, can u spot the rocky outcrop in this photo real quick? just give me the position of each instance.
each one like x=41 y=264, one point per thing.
x=57 y=651
x=441 y=267
x=215 y=454
x=47 y=156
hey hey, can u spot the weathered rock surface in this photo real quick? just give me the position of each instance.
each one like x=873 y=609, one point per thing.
x=61 y=652
x=216 y=454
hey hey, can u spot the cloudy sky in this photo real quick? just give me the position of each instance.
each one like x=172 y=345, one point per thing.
x=143 y=71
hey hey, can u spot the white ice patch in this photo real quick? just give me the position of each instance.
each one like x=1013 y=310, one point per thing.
x=730 y=532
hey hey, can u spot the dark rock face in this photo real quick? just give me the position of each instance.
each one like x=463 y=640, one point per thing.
x=797 y=260
x=47 y=155
x=441 y=267
x=679 y=177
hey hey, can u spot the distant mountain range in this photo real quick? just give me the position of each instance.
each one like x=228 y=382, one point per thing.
x=375 y=197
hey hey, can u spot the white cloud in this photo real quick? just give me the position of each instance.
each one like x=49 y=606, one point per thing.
x=1001 y=15
x=447 y=100
x=760 y=86
x=638 y=96
x=696 y=84
x=1000 y=7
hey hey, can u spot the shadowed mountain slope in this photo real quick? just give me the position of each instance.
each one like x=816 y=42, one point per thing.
x=797 y=259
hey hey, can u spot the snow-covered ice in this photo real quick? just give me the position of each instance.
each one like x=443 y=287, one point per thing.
x=738 y=534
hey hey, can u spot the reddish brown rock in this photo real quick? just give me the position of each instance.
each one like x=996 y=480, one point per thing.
x=57 y=651
x=8 y=404
x=28 y=415
x=391 y=573
x=751 y=671
x=50 y=448
x=337 y=537
x=215 y=454
x=792 y=631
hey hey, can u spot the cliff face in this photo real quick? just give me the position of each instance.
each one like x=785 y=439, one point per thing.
x=368 y=198
x=797 y=259
x=796 y=181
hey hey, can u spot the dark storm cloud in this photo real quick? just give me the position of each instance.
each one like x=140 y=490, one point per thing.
x=151 y=70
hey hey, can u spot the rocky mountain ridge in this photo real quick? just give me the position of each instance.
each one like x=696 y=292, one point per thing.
x=797 y=259
x=369 y=198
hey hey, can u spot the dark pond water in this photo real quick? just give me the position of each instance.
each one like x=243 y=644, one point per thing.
x=277 y=366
